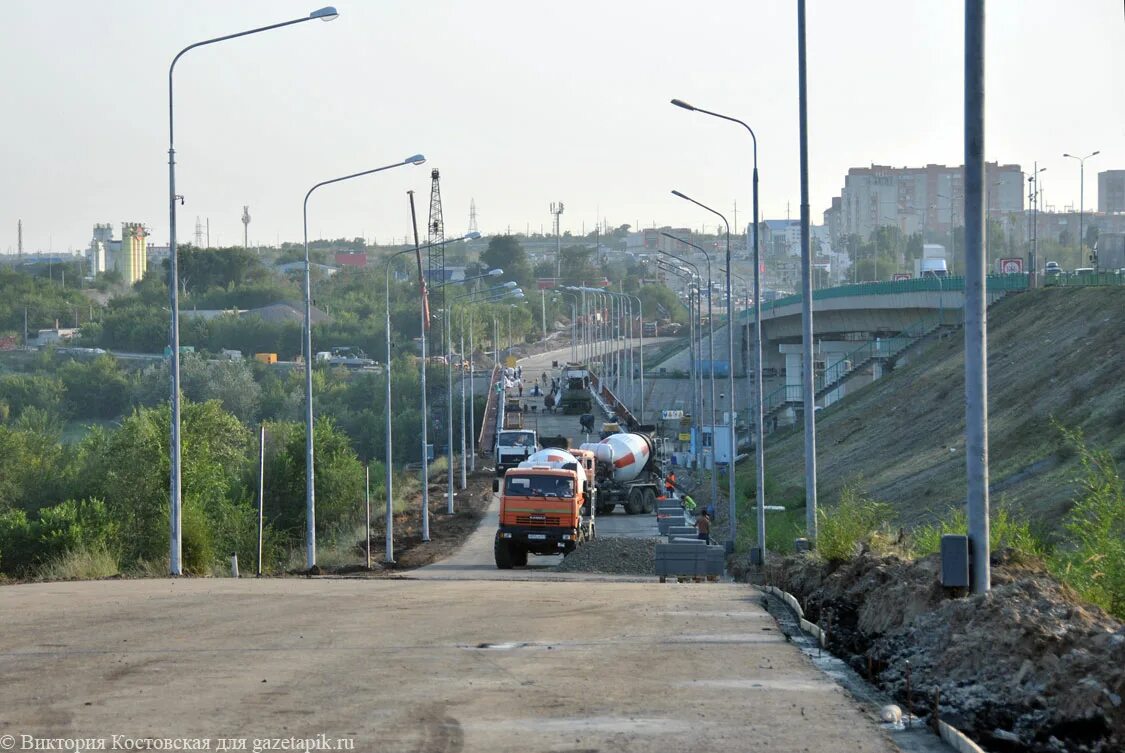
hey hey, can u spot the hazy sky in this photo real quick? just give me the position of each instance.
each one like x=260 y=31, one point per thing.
x=520 y=104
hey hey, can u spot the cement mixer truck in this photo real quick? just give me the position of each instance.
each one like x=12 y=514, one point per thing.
x=626 y=473
x=542 y=506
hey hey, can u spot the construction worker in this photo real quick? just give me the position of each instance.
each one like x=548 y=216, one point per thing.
x=670 y=485
x=689 y=509
x=703 y=525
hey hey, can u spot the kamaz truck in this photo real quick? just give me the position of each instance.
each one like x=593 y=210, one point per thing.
x=541 y=508
x=626 y=472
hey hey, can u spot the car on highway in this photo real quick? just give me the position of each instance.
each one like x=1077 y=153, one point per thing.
x=1052 y=269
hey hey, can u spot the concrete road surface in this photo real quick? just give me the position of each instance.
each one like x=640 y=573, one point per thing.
x=457 y=656
x=404 y=665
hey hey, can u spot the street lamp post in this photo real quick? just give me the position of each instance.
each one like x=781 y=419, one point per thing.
x=449 y=386
x=733 y=522
x=759 y=449
x=711 y=357
x=389 y=436
x=175 y=562
x=695 y=354
x=310 y=487
x=499 y=292
x=1082 y=200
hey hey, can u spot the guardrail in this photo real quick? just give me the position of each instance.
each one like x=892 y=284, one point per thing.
x=994 y=284
x=605 y=397
x=493 y=416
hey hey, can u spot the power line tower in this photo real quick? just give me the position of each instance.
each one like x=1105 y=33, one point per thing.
x=198 y=232
x=245 y=226
x=473 y=216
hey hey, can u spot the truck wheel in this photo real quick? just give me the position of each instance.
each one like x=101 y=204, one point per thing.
x=519 y=557
x=635 y=504
x=650 y=500
x=502 y=553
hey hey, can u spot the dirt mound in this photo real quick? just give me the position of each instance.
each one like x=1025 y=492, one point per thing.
x=613 y=555
x=1024 y=668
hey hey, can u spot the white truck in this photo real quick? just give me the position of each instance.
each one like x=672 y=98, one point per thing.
x=514 y=447
x=932 y=263
x=627 y=472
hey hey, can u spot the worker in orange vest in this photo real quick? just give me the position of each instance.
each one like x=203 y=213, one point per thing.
x=670 y=485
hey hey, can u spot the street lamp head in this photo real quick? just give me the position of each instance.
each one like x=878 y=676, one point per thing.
x=1069 y=155
x=495 y=272
x=509 y=284
x=416 y=159
x=677 y=193
x=1094 y=154
x=683 y=104
x=327 y=13
x=519 y=296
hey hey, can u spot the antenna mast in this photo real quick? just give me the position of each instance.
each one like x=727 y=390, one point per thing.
x=245 y=226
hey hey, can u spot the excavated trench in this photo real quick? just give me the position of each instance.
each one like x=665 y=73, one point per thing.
x=1024 y=669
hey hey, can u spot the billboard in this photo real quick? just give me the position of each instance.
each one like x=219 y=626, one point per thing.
x=1010 y=266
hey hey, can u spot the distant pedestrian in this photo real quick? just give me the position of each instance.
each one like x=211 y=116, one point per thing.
x=703 y=525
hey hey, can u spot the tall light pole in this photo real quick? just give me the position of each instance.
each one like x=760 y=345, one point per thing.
x=695 y=350
x=449 y=386
x=497 y=292
x=641 y=349
x=389 y=436
x=711 y=357
x=952 y=233
x=757 y=417
x=175 y=562
x=976 y=312
x=1082 y=200
x=310 y=486
x=733 y=525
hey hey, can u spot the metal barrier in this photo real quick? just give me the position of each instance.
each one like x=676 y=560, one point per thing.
x=493 y=416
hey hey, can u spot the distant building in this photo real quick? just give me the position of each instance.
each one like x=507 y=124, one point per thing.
x=926 y=199
x=55 y=336
x=1111 y=191
x=351 y=259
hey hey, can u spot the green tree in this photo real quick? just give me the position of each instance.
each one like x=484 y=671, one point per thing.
x=23 y=391
x=505 y=252
x=95 y=389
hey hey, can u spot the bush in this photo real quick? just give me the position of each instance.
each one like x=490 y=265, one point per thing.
x=857 y=521
x=1093 y=559
x=82 y=563
x=1006 y=530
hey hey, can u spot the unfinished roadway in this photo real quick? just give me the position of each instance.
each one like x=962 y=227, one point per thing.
x=452 y=658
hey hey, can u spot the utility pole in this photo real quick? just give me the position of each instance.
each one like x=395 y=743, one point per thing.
x=425 y=411
x=808 y=387
x=245 y=226
x=976 y=313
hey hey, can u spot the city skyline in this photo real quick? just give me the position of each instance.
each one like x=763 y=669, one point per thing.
x=519 y=115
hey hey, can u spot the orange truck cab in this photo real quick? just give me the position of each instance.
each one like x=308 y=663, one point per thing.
x=541 y=509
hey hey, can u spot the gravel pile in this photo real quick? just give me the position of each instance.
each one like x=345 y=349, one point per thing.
x=613 y=555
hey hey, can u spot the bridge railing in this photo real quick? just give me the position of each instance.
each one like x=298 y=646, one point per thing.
x=493 y=415
x=1084 y=280
x=994 y=284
